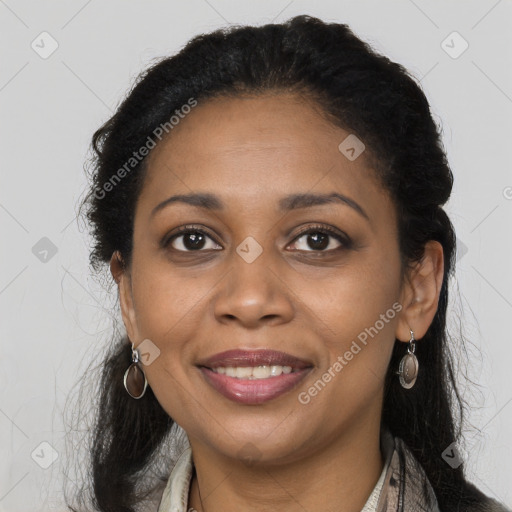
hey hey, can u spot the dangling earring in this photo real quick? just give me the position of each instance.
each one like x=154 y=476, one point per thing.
x=408 y=369
x=135 y=381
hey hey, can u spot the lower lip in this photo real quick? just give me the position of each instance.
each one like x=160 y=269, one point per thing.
x=253 y=391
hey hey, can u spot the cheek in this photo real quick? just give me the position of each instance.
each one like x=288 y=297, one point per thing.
x=168 y=312
x=358 y=312
x=166 y=304
x=356 y=297
x=352 y=378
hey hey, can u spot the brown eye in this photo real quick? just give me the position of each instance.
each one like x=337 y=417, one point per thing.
x=320 y=239
x=190 y=240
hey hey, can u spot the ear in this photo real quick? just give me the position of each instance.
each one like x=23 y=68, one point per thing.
x=420 y=293
x=122 y=277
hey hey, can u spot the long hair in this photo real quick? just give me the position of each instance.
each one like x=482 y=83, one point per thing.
x=358 y=89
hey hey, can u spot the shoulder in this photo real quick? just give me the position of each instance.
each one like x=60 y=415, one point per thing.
x=417 y=484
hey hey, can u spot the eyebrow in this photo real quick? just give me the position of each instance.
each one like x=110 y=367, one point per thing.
x=288 y=203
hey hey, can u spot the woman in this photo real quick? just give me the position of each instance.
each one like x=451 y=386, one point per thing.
x=270 y=203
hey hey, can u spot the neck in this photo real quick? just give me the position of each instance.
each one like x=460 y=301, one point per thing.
x=344 y=471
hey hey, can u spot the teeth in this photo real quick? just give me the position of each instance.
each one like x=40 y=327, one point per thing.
x=256 y=372
x=243 y=373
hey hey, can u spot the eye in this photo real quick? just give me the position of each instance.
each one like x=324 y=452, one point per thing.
x=312 y=239
x=190 y=239
x=321 y=239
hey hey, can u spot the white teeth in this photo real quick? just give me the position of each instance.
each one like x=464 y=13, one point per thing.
x=276 y=370
x=243 y=373
x=260 y=372
x=256 y=372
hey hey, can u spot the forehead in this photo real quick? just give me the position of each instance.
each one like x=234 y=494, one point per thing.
x=246 y=148
x=281 y=123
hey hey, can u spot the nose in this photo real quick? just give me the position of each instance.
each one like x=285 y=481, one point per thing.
x=253 y=295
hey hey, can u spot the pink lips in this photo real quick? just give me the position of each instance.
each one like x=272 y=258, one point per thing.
x=253 y=391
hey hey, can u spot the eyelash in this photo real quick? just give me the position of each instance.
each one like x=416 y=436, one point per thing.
x=344 y=240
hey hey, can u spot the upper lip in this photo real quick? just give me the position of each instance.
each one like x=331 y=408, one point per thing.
x=261 y=357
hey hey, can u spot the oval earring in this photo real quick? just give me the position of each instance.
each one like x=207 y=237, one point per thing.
x=408 y=369
x=135 y=381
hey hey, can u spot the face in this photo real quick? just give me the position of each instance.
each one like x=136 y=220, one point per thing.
x=263 y=265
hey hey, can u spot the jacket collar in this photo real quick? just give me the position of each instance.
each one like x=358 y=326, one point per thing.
x=406 y=487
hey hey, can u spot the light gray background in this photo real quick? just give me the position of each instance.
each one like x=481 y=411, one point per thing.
x=55 y=316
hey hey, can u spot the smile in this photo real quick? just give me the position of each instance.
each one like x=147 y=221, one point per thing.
x=253 y=377
x=253 y=372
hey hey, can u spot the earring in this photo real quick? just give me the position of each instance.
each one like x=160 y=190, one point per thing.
x=134 y=380
x=408 y=369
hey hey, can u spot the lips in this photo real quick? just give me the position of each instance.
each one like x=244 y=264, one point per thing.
x=241 y=358
x=251 y=391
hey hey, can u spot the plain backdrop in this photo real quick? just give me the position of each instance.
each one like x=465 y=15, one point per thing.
x=55 y=315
